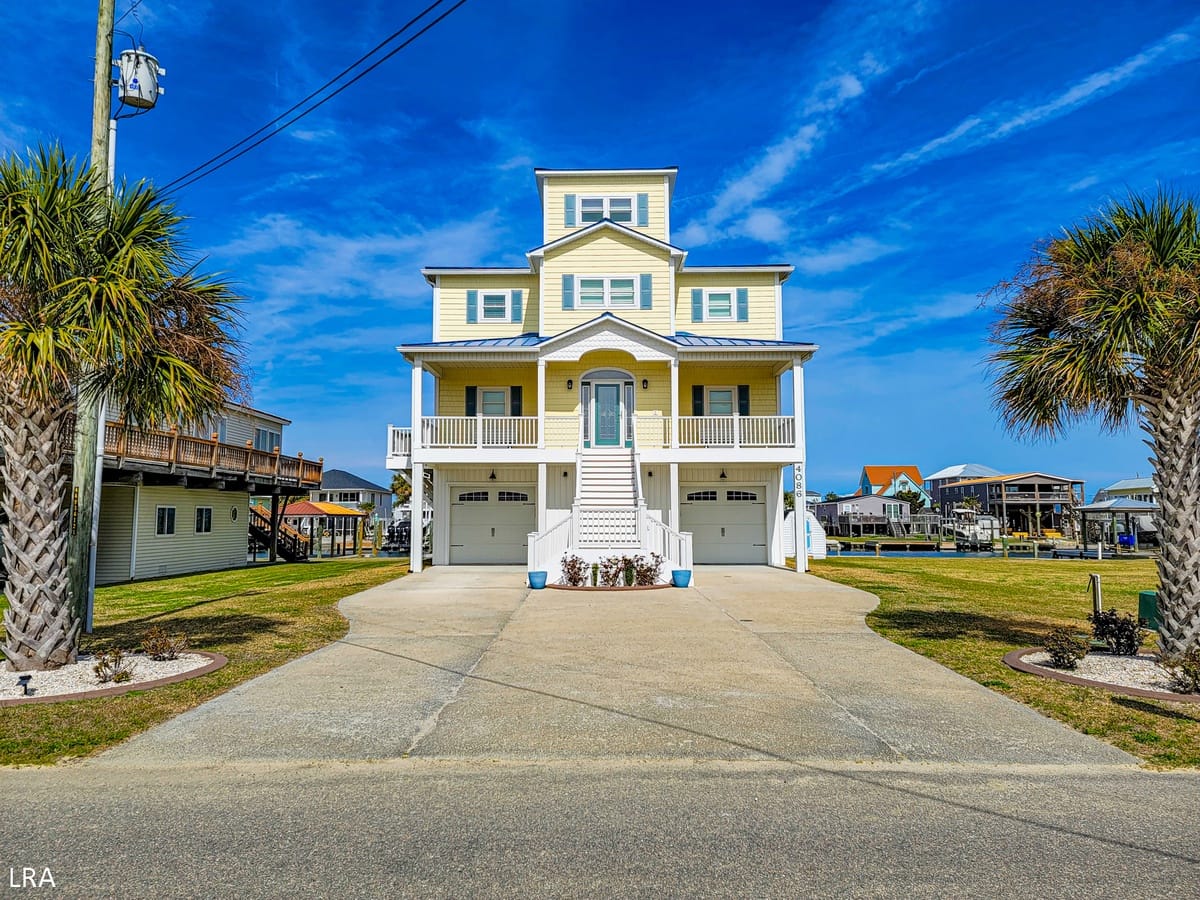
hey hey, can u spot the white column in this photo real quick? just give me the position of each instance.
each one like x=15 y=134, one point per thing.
x=541 y=497
x=674 y=479
x=418 y=370
x=801 y=513
x=416 y=543
x=541 y=423
x=675 y=412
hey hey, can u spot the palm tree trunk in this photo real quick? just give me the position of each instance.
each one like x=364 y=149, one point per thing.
x=1173 y=424
x=41 y=630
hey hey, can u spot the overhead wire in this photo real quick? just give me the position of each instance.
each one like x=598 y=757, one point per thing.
x=211 y=165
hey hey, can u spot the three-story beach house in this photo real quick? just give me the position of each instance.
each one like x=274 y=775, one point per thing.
x=606 y=398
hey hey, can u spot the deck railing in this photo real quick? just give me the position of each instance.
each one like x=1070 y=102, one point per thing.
x=547 y=548
x=173 y=448
x=737 y=431
x=399 y=441
x=479 y=431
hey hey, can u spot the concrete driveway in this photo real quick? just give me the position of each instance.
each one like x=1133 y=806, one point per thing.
x=755 y=664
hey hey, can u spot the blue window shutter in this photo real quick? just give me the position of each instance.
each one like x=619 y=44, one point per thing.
x=697 y=305
x=516 y=307
x=472 y=306
x=514 y=400
x=568 y=292
x=647 y=292
x=643 y=206
x=697 y=399
x=471 y=405
x=743 y=305
x=569 y=211
x=743 y=399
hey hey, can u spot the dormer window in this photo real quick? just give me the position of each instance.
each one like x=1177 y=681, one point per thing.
x=618 y=209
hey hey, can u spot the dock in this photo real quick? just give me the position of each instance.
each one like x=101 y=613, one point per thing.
x=883 y=546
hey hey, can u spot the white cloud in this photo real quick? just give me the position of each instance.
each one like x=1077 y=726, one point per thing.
x=765 y=225
x=842 y=255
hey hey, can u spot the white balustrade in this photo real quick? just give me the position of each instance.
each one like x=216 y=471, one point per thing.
x=737 y=431
x=673 y=546
x=547 y=548
x=606 y=527
x=399 y=441
x=478 y=431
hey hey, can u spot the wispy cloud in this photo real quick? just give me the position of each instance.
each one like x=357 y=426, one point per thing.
x=843 y=254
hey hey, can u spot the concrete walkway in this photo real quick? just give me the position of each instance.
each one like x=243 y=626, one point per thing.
x=755 y=664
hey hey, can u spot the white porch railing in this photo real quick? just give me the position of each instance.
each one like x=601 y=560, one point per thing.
x=399 y=441
x=737 y=431
x=547 y=548
x=479 y=431
x=606 y=527
x=673 y=546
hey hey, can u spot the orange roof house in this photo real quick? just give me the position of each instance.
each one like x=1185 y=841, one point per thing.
x=889 y=480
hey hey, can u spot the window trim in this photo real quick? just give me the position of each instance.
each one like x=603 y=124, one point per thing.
x=198 y=529
x=606 y=208
x=473 y=496
x=702 y=496
x=479 y=402
x=732 y=317
x=608 y=280
x=269 y=432
x=508 y=305
x=733 y=400
x=158 y=521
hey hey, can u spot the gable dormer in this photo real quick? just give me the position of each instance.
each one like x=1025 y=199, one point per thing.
x=576 y=198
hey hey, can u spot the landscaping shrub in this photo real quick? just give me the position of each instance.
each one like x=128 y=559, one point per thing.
x=647 y=571
x=575 y=571
x=617 y=571
x=113 y=666
x=159 y=644
x=612 y=571
x=1184 y=670
x=1066 y=649
x=1122 y=632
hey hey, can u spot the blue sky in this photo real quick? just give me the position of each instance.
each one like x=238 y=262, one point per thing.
x=903 y=156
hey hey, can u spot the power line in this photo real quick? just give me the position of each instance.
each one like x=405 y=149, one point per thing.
x=207 y=168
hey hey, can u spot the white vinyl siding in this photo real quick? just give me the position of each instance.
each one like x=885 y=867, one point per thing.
x=114 y=541
x=186 y=551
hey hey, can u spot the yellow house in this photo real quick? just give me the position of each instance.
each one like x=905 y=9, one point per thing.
x=606 y=398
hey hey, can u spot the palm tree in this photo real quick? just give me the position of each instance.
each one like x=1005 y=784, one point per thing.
x=94 y=297
x=1104 y=322
x=401 y=488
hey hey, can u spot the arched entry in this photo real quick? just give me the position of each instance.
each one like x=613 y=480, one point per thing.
x=606 y=408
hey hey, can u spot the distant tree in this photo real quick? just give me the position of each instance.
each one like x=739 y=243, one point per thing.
x=915 y=501
x=789 y=499
x=1102 y=322
x=368 y=507
x=401 y=488
x=831 y=495
x=970 y=502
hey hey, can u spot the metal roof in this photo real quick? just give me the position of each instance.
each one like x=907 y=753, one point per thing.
x=964 y=470
x=681 y=339
x=340 y=479
x=529 y=339
x=686 y=339
x=1132 y=484
x=1119 y=504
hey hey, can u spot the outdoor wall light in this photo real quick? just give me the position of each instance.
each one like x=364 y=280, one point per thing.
x=564 y=473
x=650 y=474
x=722 y=474
x=645 y=384
x=570 y=384
x=492 y=477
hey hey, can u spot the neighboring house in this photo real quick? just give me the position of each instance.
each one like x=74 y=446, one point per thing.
x=346 y=489
x=173 y=502
x=1142 y=489
x=888 y=481
x=1029 y=502
x=607 y=398
x=859 y=515
x=960 y=472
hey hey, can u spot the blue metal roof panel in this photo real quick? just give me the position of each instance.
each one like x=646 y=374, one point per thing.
x=685 y=339
x=528 y=339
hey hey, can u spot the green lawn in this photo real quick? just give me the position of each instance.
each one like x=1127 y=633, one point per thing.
x=967 y=613
x=259 y=618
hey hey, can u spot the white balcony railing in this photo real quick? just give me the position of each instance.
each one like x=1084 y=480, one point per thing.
x=479 y=431
x=399 y=441
x=737 y=431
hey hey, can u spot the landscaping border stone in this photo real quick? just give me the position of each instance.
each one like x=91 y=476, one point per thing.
x=582 y=587
x=1015 y=660
x=216 y=661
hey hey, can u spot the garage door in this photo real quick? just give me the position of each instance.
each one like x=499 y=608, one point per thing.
x=490 y=524
x=728 y=524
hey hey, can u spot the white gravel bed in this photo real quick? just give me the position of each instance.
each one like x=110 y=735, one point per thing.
x=1141 y=671
x=79 y=677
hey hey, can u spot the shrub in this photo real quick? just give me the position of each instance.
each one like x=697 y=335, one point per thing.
x=612 y=571
x=161 y=645
x=1184 y=670
x=575 y=571
x=113 y=666
x=1123 y=633
x=1066 y=648
x=647 y=571
x=595 y=574
x=616 y=571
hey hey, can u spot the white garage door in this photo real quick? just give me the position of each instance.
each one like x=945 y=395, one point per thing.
x=490 y=524
x=728 y=524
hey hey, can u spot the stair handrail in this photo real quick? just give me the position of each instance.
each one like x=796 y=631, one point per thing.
x=547 y=548
x=675 y=547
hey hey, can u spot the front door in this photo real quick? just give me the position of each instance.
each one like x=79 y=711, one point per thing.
x=608 y=415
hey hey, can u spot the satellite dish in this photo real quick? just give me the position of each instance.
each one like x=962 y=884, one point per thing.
x=137 y=85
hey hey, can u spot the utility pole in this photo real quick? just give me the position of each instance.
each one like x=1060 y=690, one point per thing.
x=85 y=490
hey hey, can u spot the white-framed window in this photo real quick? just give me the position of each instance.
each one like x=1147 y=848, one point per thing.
x=203 y=520
x=701 y=496
x=742 y=496
x=618 y=209
x=512 y=497
x=720 y=400
x=267 y=440
x=347 y=497
x=607 y=290
x=493 y=401
x=473 y=497
x=891 y=510
x=495 y=306
x=719 y=305
x=164 y=520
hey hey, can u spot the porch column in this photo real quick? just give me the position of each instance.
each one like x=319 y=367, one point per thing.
x=541 y=427
x=416 y=528
x=418 y=370
x=541 y=491
x=674 y=479
x=675 y=433
x=800 y=485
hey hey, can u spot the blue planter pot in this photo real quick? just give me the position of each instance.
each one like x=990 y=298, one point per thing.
x=537 y=580
x=681 y=577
